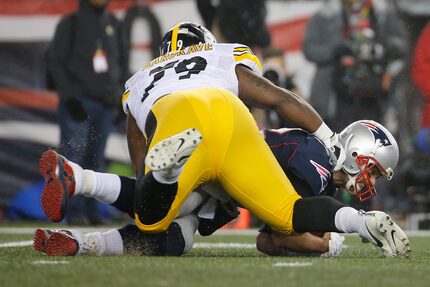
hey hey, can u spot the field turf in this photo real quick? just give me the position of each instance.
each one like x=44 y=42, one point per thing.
x=219 y=260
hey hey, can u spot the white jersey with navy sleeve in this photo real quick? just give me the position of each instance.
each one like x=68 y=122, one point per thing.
x=197 y=66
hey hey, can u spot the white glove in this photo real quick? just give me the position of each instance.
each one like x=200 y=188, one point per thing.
x=335 y=245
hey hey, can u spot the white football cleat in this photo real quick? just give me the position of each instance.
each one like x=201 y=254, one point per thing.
x=174 y=151
x=387 y=235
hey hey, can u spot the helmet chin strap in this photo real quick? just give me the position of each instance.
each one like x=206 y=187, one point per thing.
x=341 y=158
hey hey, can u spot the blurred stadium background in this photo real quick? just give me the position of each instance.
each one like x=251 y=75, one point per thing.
x=28 y=119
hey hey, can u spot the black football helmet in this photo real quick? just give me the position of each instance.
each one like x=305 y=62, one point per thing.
x=183 y=35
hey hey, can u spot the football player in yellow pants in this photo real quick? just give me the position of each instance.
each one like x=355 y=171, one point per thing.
x=231 y=141
x=195 y=91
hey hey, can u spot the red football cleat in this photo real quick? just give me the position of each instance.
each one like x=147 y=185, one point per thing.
x=60 y=184
x=41 y=239
x=62 y=243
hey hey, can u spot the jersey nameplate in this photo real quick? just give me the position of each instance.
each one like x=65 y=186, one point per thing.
x=188 y=50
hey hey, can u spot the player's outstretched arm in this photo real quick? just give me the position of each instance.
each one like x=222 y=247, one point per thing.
x=306 y=244
x=258 y=91
x=275 y=243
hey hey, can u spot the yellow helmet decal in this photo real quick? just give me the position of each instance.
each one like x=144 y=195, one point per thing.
x=174 y=37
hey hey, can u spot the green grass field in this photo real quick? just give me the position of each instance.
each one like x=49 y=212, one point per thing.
x=219 y=260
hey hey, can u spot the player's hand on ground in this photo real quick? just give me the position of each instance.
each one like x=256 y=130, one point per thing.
x=335 y=244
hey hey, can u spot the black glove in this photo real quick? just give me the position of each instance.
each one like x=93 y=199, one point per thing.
x=77 y=111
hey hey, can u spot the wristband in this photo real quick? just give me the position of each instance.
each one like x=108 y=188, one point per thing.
x=324 y=133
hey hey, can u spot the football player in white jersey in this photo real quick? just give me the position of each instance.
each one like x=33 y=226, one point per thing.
x=195 y=92
x=187 y=124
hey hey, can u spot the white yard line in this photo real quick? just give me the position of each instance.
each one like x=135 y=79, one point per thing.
x=16 y=244
x=44 y=262
x=205 y=245
x=292 y=264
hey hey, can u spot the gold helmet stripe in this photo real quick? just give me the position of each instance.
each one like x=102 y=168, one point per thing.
x=174 y=37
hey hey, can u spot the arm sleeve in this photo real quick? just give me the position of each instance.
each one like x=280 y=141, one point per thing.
x=243 y=55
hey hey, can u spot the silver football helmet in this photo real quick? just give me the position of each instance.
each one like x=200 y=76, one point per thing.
x=367 y=144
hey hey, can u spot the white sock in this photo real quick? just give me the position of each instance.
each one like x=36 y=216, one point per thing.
x=350 y=220
x=168 y=176
x=113 y=242
x=100 y=244
x=188 y=226
x=92 y=244
x=89 y=243
x=105 y=187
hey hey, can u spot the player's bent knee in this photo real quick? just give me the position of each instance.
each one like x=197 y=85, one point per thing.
x=152 y=203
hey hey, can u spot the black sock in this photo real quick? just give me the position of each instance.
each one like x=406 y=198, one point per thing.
x=316 y=214
x=168 y=243
x=125 y=200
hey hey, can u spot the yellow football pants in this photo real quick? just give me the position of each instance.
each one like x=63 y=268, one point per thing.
x=232 y=151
